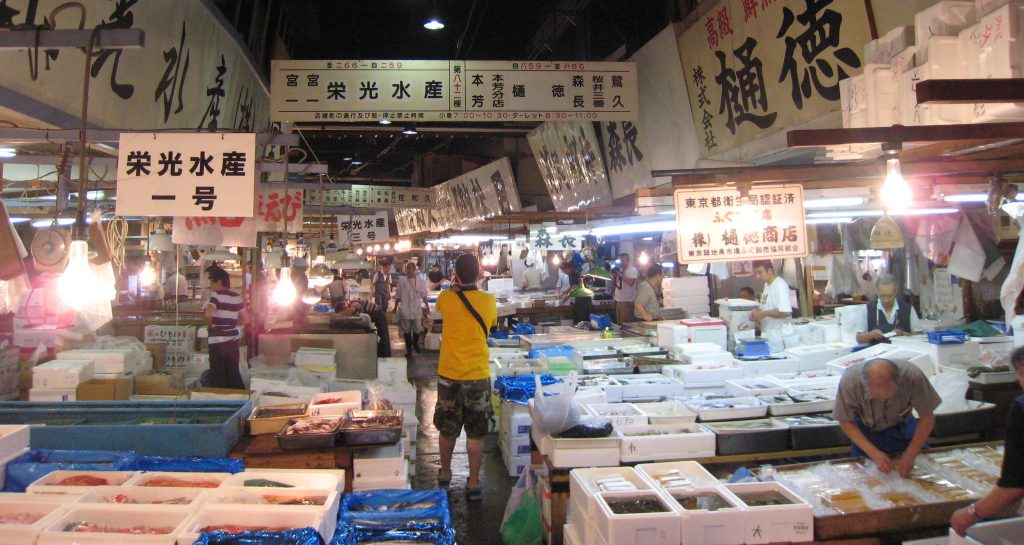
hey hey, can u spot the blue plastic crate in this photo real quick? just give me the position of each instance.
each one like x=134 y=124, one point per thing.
x=947 y=337
x=752 y=349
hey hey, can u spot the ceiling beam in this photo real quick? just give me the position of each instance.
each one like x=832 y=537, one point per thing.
x=553 y=215
x=11 y=136
x=816 y=138
x=111 y=162
x=969 y=91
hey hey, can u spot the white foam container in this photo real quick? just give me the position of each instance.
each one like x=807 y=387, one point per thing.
x=703 y=527
x=691 y=471
x=647 y=528
x=703 y=377
x=516 y=419
x=944 y=18
x=119 y=516
x=992 y=49
x=245 y=498
x=106 y=361
x=684 y=441
x=62 y=374
x=236 y=515
x=584 y=487
x=146 y=496
x=667 y=412
x=47 y=484
x=571 y=536
x=809 y=407
x=814 y=357
x=760 y=368
x=351 y=400
x=752 y=408
x=13 y=438
x=636 y=417
x=749 y=387
x=566 y=457
x=646 y=386
x=775 y=523
x=26 y=534
x=789 y=380
x=143 y=478
x=706 y=358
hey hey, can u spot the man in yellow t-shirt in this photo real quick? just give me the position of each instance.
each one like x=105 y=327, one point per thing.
x=463 y=385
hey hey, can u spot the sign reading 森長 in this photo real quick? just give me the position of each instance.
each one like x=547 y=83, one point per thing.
x=758 y=67
x=722 y=225
x=175 y=174
x=357 y=91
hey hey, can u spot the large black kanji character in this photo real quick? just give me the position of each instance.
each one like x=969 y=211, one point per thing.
x=170 y=162
x=172 y=82
x=204 y=197
x=233 y=164
x=821 y=34
x=215 y=93
x=201 y=164
x=743 y=91
x=138 y=163
x=121 y=18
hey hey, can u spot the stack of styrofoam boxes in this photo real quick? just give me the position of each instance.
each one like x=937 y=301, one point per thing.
x=706 y=365
x=869 y=99
x=378 y=468
x=13 y=443
x=110 y=363
x=321 y=362
x=992 y=49
x=181 y=342
x=10 y=374
x=814 y=357
x=44 y=509
x=736 y=315
x=888 y=351
x=58 y=380
x=699 y=526
x=693 y=330
x=689 y=293
x=943 y=357
x=584 y=487
x=391 y=372
x=514 y=437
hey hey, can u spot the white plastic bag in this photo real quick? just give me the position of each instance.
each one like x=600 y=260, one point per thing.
x=556 y=413
x=952 y=388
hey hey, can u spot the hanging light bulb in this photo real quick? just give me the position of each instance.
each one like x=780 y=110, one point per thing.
x=320 y=274
x=387 y=246
x=284 y=291
x=359 y=251
x=643 y=259
x=78 y=287
x=376 y=248
x=557 y=260
x=895 y=192
x=148 y=276
x=429 y=247
x=310 y=296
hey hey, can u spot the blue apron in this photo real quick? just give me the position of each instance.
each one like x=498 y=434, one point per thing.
x=891 y=441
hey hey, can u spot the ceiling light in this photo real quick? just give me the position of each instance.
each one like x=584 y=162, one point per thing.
x=818 y=221
x=78 y=287
x=387 y=246
x=359 y=251
x=346 y=158
x=643 y=259
x=556 y=260
x=356 y=162
x=895 y=192
x=433 y=24
x=410 y=130
x=428 y=247
x=971 y=197
x=42 y=224
x=18 y=219
x=837 y=202
x=148 y=275
x=633 y=228
x=311 y=296
x=879 y=213
x=7 y=152
x=384 y=121
x=320 y=275
x=284 y=292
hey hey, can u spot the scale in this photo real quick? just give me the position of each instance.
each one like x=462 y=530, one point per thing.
x=50 y=249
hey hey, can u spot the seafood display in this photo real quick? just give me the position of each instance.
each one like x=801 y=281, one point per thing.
x=265 y=483
x=614 y=484
x=401 y=506
x=123 y=499
x=238 y=528
x=361 y=420
x=673 y=478
x=645 y=432
x=311 y=425
x=91 y=528
x=763 y=499
x=706 y=501
x=175 y=482
x=329 y=401
x=635 y=506
x=82 y=480
x=20 y=518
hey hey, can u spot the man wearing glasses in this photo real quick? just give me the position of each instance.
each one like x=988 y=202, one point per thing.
x=887 y=316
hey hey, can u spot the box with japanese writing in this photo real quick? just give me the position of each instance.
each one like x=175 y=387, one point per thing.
x=774 y=514
x=180 y=336
x=665 y=442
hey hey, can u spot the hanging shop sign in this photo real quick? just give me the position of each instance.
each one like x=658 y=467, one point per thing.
x=570 y=162
x=194 y=72
x=363 y=229
x=186 y=174
x=545 y=238
x=757 y=68
x=274 y=208
x=662 y=136
x=374 y=196
x=716 y=225
x=359 y=91
x=412 y=220
x=205 y=231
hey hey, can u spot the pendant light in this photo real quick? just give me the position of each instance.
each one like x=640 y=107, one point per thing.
x=311 y=296
x=148 y=275
x=78 y=286
x=320 y=274
x=284 y=291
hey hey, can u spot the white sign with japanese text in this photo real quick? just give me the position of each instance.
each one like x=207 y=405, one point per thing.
x=757 y=68
x=545 y=238
x=721 y=225
x=186 y=174
x=374 y=196
x=421 y=90
x=412 y=220
x=274 y=207
x=364 y=229
x=570 y=162
x=205 y=231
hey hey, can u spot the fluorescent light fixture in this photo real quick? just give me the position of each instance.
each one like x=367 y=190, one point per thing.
x=971 y=197
x=18 y=219
x=356 y=162
x=878 y=213
x=7 y=152
x=648 y=238
x=836 y=202
x=63 y=222
x=433 y=24
x=667 y=213
x=668 y=265
x=816 y=221
x=410 y=130
x=633 y=228
x=384 y=121
x=577 y=233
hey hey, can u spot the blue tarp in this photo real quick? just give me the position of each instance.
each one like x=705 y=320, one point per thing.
x=190 y=464
x=304 y=536
x=520 y=389
x=36 y=464
x=395 y=509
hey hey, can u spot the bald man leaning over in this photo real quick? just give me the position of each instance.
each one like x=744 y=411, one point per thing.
x=874 y=407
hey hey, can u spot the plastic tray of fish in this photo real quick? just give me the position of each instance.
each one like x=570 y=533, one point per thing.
x=305 y=433
x=372 y=427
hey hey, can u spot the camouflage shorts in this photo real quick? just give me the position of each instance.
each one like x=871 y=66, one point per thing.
x=463 y=403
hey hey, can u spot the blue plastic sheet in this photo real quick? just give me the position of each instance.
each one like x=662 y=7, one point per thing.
x=190 y=464
x=520 y=389
x=36 y=464
x=382 y=510
x=551 y=352
x=524 y=329
x=304 y=536
x=347 y=536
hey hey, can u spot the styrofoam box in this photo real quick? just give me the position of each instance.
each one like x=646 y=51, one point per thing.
x=62 y=373
x=823 y=384
x=841 y=363
x=912 y=113
x=815 y=357
x=774 y=523
x=992 y=49
x=303 y=393
x=703 y=527
x=920 y=359
x=562 y=457
x=984 y=7
x=108 y=360
x=790 y=379
x=695 y=348
x=853 y=102
x=759 y=368
x=143 y=479
x=685 y=283
x=699 y=377
x=516 y=419
x=585 y=484
x=25 y=534
x=48 y=484
x=663 y=475
x=649 y=386
x=902 y=62
x=516 y=464
x=311 y=479
x=964 y=354
x=518 y=445
x=243 y=516
x=251 y=498
x=996 y=531
x=118 y=516
x=678 y=441
x=671 y=334
x=667 y=412
x=53 y=394
x=706 y=358
x=401 y=393
x=880 y=94
x=147 y=496
x=13 y=438
x=571 y=536
x=647 y=528
x=883 y=49
x=392 y=370
x=752 y=408
x=752 y=387
x=351 y=400
x=944 y=18
x=378 y=463
x=315 y=357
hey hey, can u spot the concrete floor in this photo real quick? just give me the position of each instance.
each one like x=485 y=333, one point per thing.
x=476 y=523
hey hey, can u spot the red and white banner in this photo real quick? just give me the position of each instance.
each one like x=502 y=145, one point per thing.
x=199 y=231
x=273 y=207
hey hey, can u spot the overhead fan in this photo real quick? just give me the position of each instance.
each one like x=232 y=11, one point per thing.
x=999 y=192
x=50 y=249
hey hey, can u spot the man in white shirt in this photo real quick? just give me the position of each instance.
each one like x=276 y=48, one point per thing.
x=531 y=277
x=887 y=315
x=563 y=282
x=411 y=303
x=625 y=289
x=176 y=287
x=776 y=313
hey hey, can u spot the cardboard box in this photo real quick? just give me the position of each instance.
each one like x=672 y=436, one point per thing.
x=166 y=383
x=98 y=389
x=218 y=394
x=159 y=353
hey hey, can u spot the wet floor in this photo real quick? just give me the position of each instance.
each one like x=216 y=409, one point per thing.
x=476 y=523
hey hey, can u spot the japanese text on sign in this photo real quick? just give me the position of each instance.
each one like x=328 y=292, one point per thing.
x=364 y=229
x=353 y=91
x=722 y=225
x=274 y=208
x=375 y=196
x=204 y=175
x=570 y=163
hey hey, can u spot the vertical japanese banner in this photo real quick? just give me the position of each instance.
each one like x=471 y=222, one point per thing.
x=716 y=225
x=412 y=220
x=758 y=67
x=273 y=208
x=663 y=136
x=482 y=193
x=202 y=231
x=570 y=162
x=364 y=229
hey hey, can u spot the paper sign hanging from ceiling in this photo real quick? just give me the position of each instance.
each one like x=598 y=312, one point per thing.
x=757 y=68
x=570 y=162
x=488 y=91
x=547 y=238
x=721 y=225
x=374 y=196
x=200 y=231
x=364 y=229
x=274 y=208
x=194 y=174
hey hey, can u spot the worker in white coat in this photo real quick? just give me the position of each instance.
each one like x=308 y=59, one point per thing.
x=776 y=313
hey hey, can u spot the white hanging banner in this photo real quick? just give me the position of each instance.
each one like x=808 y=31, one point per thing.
x=412 y=220
x=721 y=225
x=570 y=162
x=202 y=231
x=545 y=238
x=374 y=196
x=363 y=229
x=186 y=174
x=355 y=91
x=274 y=207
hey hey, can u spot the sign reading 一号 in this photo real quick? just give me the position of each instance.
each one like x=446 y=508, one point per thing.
x=356 y=91
x=363 y=229
x=721 y=225
x=374 y=196
x=193 y=175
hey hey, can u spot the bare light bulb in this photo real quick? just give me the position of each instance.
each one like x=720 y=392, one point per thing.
x=557 y=260
x=376 y=247
x=895 y=192
x=429 y=247
x=387 y=246
x=284 y=292
x=148 y=276
x=310 y=296
x=320 y=274
x=78 y=287
x=359 y=251
x=643 y=259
